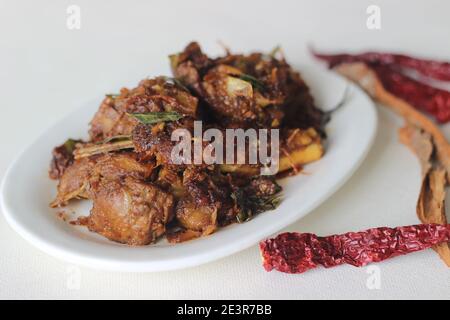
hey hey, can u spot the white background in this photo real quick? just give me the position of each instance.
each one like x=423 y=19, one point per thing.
x=47 y=70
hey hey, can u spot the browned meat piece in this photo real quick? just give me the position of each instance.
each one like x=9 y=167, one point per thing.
x=230 y=96
x=299 y=108
x=195 y=217
x=110 y=121
x=285 y=97
x=62 y=158
x=119 y=165
x=198 y=211
x=75 y=181
x=169 y=96
x=181 y=102
x=212 y=202
x=181 y=235
x=253 y=196
x=155 y=141
x=208 y=200
x=262 y=187
x=170 y=178
x=129 y=211
x=253 y=90
x=217 y=200
x=152 y=95
x=189 y=65
x=143 y=103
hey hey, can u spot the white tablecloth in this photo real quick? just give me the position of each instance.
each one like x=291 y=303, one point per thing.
x=46 y=70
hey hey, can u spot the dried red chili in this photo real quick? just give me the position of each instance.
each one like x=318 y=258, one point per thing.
x=299 y=252
x=422 y=96
x=389 y=68
x=438 y=70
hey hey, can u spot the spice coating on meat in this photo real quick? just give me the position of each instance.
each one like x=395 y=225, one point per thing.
x=75 y=181
x=254 y=90
x=151 y=95
x=62 y=158
x=129 y=211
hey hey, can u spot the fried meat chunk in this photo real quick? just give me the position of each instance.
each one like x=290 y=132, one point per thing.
x=76 y=179
x=129 y=211
x=73 y=183
x=151 y=95
x=130 y=166
x=250 y=90
x=62 y=158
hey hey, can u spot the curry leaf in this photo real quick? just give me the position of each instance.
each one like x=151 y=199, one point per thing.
x=112 y=95
x=155 y=117
x=258 y=84
x=176 y=82
x=251 y=205
x=274 y=51
x=69 y=145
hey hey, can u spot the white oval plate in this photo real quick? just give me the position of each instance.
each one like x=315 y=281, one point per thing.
x=27 y=191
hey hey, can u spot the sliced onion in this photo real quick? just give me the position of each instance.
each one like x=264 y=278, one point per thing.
x=237 y=87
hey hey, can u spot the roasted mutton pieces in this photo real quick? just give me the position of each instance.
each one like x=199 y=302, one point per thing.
x=126 y=168
x=127 y=208
x=155 y=141
x=110 y=121
x=62 y=158
x=129 y=211
x=74 y=183
x=213 y=200
x=208 y=200
x=257 y=90
x=152 y=95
